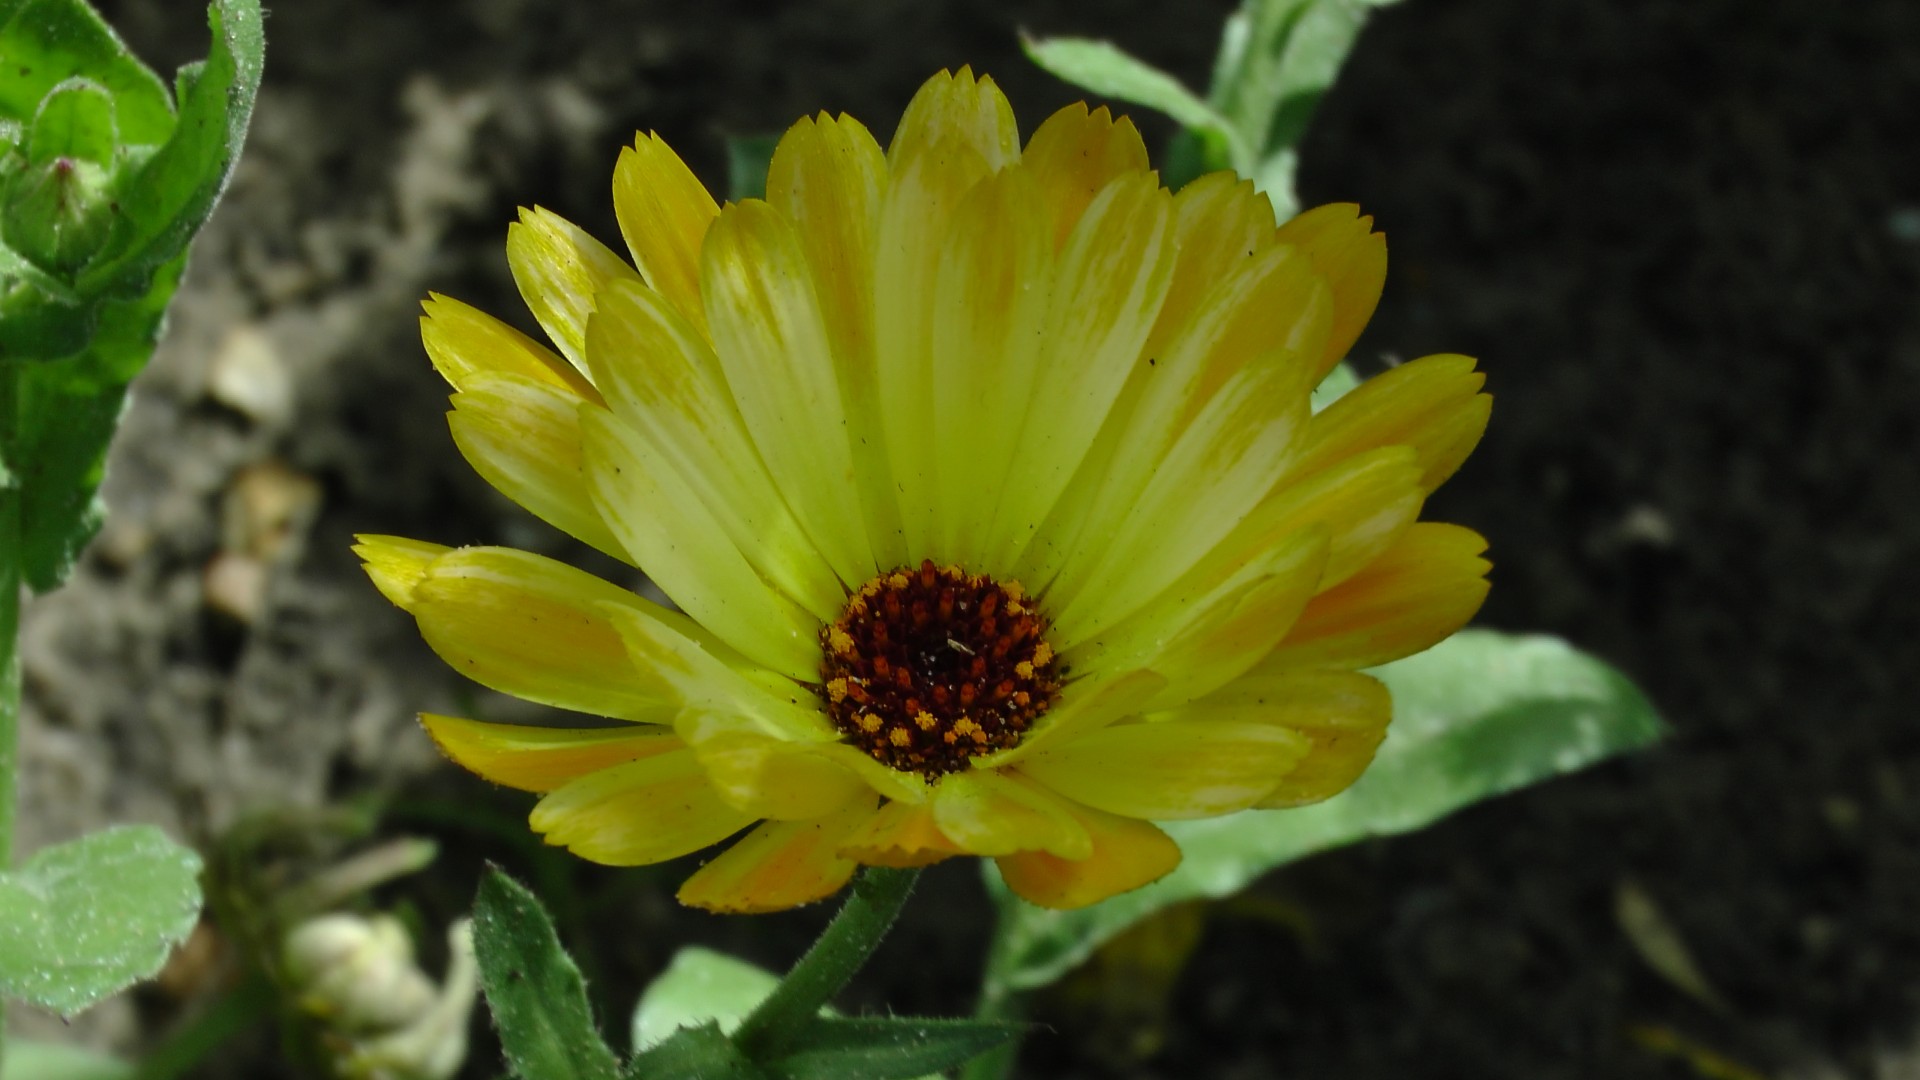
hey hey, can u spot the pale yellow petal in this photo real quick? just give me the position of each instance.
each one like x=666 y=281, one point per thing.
x=1074 y=154
x=1353 y=258
x=1170 y=770
x=1365 y=503
x=830 y=177
x=1126 y=855
x=1420 y=590
x=1342 y=713
x=779 y=865
x=772 y=342
x=396 y=564
x=688 y=553
x=664 y=212
x=901 y=835
x=661 y=377
x=712 y=686
x=464 y=341
x=560 y=269
x=540 y=758
x=1110 y=280
x=771 y=777
x=997 y=812
x=1432 y=404
x=1219 y=221
x=647 y=811
x=523 y=437
x=957 y=108
x=534 y=627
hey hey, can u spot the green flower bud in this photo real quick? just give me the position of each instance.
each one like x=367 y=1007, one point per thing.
x=59 y=199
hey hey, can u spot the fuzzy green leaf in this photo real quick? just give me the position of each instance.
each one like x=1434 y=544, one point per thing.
x=1477 y=715
x=701 y=1052
x=1103 y=68
x=699 y=985
x=888 y=1047
x=84 y=920
x=538 y=999
x=56 y=1061
x=47 y=42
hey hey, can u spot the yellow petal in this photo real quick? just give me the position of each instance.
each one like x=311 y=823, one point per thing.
x=540 y=758
x=1344 y=714
x=646 y=811
x=1423 y=588
x=770 y=777
x=464 y=341
x=830 y=178
x=534 y=628
x=998 y=812
x=1169 y=770
x=688 y=552
x=957 y=108
x=523 y=437
x=664 y=212
x=559 y=268
x=1432 y=404
x=661 y=378
x=1074 y=154
x=1353 y=258
x=1219 y=221
x=396 y=564
x=902 y=835
x=1126 y=855
x=1110 y=280
x=779 y=865
x=1365 y=503
x=772 y=341
x=704 y=676
x=1085 y=705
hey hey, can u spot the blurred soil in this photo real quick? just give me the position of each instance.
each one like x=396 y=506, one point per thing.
x=1684 y=238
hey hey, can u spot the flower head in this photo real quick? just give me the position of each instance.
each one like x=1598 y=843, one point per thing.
x=984 y=480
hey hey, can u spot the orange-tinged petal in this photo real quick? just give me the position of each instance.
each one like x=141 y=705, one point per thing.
x=1074 y=154
x=1170 y=770
x=998 y=812
x=536 y=628
x=1420 y=590
x=1126 y=855
x=1352 y=257
x=559 y=268
x=1432 y=404
x=900 y=834
x=664 y=212
x=523 y=437
x=464 y=341
x=779 y=865
x=396 y=564
x=1343 y=713
x=646 y=811
x=957 y=108
x=541 y=758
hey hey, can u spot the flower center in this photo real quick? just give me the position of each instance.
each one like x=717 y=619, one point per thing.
x=927 y=668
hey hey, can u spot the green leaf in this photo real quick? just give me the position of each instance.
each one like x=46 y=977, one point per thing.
x=699 y=985
x=83 y=920
x=75 y=120
x=538 y=999
x=1338 y=383
x=1477 y=715
x=68 y=411
x=169 y=196
x=47 y=42
x=888 y=1047
x=747 y=159
x=701 y=1052
x=1101 y=66
x=54 y=1061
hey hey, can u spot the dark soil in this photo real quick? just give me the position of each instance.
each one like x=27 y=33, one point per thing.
x=1684 y=239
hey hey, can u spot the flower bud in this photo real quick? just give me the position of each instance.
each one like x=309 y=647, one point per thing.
x=58 y=199
x=355 y=974
x=434 y=1046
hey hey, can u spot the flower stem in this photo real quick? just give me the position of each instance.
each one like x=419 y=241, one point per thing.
x=10 y=556
x=844 y=946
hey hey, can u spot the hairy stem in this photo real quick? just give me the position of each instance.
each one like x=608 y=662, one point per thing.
x=10 y=553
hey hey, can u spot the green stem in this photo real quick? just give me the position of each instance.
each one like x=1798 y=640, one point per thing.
x=10 y=487
x=878 y=895
x=998 y=1001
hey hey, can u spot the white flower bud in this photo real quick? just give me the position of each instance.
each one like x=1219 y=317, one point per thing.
x=357 y=974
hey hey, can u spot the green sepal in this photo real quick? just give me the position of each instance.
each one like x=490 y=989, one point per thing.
x=702 y=1051
x=887 y=1047
x=57 y=203
x=538 y=998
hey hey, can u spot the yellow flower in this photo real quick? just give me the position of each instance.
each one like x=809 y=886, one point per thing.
x=986 y=482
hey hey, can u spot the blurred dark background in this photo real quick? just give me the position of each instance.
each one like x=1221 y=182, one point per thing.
x=1682 y=237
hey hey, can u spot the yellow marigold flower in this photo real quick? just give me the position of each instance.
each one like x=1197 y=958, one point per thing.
x=985 y=482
